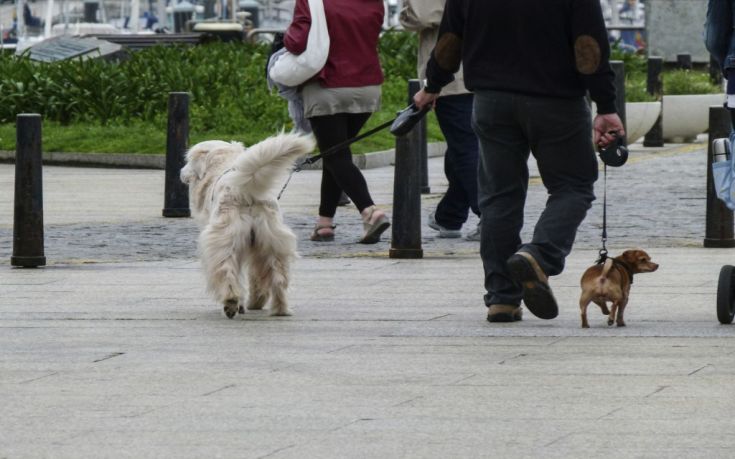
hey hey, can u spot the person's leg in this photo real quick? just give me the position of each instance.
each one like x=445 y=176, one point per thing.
x=454 y=114
x=559 y=132
x=339 y=172
x=503 y=182
x=374 y=219
x=342 y=173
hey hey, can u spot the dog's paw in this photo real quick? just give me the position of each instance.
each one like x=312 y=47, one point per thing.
x=241 y=310
x=621 y=324
x=231 y=308
x=610 y=322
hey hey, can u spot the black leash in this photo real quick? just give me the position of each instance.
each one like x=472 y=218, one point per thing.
x=603 y=251
x=400 y=125
x=312 y=159
x=614 y=155
x=333 y=149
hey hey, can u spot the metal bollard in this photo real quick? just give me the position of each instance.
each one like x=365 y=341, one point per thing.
x=719 y=219
x=684 y=61
x=176 y=194
x=655 y=136
x=406 y=228
x=619 y=69
x=413 y=87
x=28 y=250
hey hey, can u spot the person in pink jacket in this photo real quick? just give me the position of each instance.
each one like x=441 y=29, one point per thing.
x=339 y=100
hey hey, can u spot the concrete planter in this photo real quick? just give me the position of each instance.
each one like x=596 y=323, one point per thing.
x=640 y=118
x=686 y=116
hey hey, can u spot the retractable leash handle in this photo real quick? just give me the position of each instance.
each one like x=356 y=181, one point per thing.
x=407 y=119
x=615 y=154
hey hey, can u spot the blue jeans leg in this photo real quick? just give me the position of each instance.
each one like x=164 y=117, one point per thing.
x=454 y=114
x=558 y=132
x=719 y=36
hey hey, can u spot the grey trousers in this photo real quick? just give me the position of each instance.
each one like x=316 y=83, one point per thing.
x=558 y=132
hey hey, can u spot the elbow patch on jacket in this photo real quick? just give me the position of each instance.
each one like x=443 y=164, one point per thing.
x=587 y=54
x=448 y=52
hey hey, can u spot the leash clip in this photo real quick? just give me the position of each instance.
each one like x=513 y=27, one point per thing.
x=602 y=256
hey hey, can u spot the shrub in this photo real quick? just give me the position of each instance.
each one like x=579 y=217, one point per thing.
x=678 y=82
x=636 y=71
x=226 y=81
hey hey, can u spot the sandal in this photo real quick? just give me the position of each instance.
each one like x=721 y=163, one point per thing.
x=375 y=229
x=315 y=236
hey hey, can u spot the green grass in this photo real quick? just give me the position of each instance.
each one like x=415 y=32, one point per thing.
x=150 y=138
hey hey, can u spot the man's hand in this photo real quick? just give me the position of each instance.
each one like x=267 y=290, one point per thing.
x=604 y=126
x=423 y=99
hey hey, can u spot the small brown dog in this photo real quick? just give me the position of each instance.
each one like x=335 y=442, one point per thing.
x=610 y=281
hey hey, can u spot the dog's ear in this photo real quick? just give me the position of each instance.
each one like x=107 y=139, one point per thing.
x=636 y=257
x=630 y=257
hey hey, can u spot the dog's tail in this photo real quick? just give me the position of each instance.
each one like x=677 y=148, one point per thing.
x=259 y=168
x=603 y=275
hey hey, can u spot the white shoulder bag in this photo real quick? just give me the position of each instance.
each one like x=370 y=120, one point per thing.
x=291 y=70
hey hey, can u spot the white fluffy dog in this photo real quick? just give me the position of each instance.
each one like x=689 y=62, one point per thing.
x=232 y=194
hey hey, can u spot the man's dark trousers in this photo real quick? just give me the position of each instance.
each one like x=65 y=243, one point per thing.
x=454 y=114
x=559 y=134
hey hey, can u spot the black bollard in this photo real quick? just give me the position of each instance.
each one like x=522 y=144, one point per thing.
x=406 y=235
x=655 y=136
x=28 y=216
x=619 y=69
x=684 y=61
x=719 y=219
x=413 y=87
x=176 y=195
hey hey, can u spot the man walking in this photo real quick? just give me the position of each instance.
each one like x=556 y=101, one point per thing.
x=529 y=64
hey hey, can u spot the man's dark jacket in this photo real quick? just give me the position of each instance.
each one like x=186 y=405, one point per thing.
x=548 y=48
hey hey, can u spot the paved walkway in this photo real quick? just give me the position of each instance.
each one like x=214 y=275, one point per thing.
x=114 y=350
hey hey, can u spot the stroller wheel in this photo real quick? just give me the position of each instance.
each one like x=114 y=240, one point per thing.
x=726 y=295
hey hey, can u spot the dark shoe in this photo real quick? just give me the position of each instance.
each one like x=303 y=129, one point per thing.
x=375 y=229
x=537 y=295
x=317 y=237
x=504 y=313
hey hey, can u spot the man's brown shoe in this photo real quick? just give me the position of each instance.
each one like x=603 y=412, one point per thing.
x=537 y=295
x=504 y=313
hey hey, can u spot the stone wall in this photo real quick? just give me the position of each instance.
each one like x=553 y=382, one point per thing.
x=676 y=27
